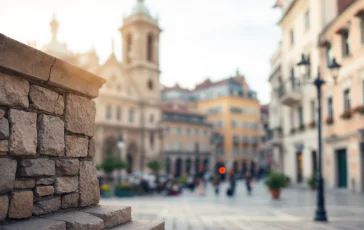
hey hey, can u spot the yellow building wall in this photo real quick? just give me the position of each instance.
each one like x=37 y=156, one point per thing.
x=227 y=117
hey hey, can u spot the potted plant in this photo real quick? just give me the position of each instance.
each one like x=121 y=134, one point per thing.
x=359 y=109
x=106 y=191
x=329 y=120
x=124 y=190
x=279 y=129
x=302 y=127
x=287 y=180
x=312 y=124
x=293 y=130
x=275 y=181
x=347 y=114
x=312 y=181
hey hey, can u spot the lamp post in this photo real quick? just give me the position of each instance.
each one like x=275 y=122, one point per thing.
x=120 y=145
x=320 y=214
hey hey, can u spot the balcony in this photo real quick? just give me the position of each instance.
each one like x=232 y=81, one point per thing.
x=275 y=138
x=292 y=95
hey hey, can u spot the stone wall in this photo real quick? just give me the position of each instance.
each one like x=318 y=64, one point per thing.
x=46 y=127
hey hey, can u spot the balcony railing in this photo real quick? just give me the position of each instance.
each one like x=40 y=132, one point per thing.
x=290 y=93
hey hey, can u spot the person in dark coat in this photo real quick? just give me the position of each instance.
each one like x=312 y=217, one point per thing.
x=248 y=183
x=232 y=182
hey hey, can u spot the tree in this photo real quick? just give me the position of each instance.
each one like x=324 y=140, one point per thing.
x=155 y=166
x=111 y=163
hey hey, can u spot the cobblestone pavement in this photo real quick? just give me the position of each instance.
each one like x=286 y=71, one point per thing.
x=294 y=210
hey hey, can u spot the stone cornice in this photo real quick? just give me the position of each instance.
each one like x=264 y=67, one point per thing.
x=45 y=69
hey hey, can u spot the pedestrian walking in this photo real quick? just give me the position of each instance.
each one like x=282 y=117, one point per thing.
x=248 y=183
x=201 y=187
x=217 y=182
x=232 y=183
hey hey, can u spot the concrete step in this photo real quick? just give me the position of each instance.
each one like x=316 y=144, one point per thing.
x=36 y=224
x=111 y=215
x=141 y=225
x=78 y=220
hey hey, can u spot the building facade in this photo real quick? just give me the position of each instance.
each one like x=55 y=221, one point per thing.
x=233 y=109
x=129 y=104
x=187 y=136
x=265 y=150
x=301 y=23
x=274 y=139
x=343 y=102
x=293 y=94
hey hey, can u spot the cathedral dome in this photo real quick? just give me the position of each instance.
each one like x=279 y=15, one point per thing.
x=140 y=8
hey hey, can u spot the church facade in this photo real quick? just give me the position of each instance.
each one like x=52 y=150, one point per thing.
x=128 y=108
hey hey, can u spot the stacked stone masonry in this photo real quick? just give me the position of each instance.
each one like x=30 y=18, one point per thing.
x=46 y=127
x=47 y=177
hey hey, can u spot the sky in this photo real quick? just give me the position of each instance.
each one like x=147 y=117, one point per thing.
x=200 y=38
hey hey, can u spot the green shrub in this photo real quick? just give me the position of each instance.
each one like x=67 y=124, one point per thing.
x=275 y=180
x=125 y=186
x=312 y=180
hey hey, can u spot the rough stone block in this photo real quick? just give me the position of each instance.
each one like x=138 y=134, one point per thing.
x=7 y=173
x=80 y=115
x=23 y=134
x=4 y=128
x=89 y=184
x=47 y=206
x=13 y=91
x=4 y=147
x=45 y=181
x=2 y=113
x=70 y=200
x=76 y=146
x=21 y=205
x=44 y=190
x=91 y=148
x=66 y=184
x=79 y=221
x=21 y=58
x=46 y=100
x=4 y=205
x=24 y=183
x=67 y=167
x=111 y=215
x=36 y=224
x=51 y=135
x=142 y=224
x=36 y=167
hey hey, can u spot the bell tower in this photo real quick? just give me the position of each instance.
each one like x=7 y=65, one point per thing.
x=140 y=38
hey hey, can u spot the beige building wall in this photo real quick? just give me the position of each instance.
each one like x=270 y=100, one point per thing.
x=299 y=37
x=345 y=135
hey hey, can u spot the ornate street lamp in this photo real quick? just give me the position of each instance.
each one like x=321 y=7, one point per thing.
x=120 y=145
x=320 y=214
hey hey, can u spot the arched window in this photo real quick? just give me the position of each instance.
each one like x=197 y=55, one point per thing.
x=150 y=47
x=151 y=118
x=131 y=115
x=150 y=84
x=128 y=48
x=151 y=139
x=108 y=112
x=118 y=113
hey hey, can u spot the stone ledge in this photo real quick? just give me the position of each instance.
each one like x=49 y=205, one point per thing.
x=112 y=215
x=41 y=67
x=142 y=225
x=78 y=220
x=36 y=224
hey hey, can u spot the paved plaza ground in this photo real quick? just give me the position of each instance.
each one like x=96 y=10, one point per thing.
x=294 y=210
